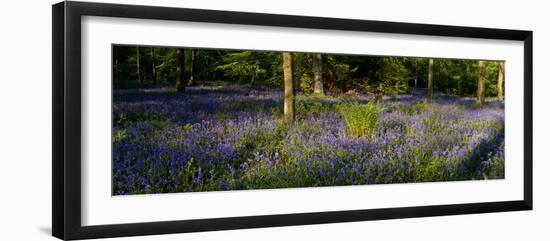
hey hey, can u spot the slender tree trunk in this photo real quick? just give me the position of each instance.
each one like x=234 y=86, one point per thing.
x=154 y=66
x=115 y=70
x=137 y=64
x=415 y=72
x=289 y=88
x=317 y=63
x=192 y=74
x=500 y=83
x=430 y=78
x=206 y=73
x=481 y=76
x=180 y=63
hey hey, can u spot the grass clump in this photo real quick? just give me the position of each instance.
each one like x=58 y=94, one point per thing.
x=361 y=119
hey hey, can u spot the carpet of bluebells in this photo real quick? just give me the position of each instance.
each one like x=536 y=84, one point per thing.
x=233 y=138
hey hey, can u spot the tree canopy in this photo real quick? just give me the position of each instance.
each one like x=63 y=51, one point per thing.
x=136 y=66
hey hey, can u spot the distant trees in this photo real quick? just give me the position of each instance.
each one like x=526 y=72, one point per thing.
x=180 y=63
x=312 y=73
x=318 y=85
x=288 y=88
x=482 y=72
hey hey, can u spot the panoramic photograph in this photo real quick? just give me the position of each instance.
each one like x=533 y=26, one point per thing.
x=196 y=120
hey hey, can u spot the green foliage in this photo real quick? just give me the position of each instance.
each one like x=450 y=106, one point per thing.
x=119 y=136
x=338 y=72
x=121 y=119
x=166 y=69
x=455 y=77
x=314 y=105
x=272 y=62
x=395 y=76
x=243 y=66
x=306 y=83
x=361 y=119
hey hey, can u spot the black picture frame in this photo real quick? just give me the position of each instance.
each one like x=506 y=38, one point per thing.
x=66 y=47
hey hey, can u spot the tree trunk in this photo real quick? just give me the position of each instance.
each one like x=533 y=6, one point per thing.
x=317 y=63
x=415 y=72
x=180 y=63
x=192 y=74
x=115 y=70
x=288 y=87
x=430 y=78
x=206 y=73
x=500 y=83
x=137 y=63
x=154 y=66
x=481 y=76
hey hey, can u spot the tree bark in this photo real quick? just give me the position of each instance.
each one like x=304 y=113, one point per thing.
x=500 y=82
x=192 y=74
x=430 y=78
x=154 y=66
x=180 y=63
x=317 y=63
x=481 y=76
x=137 y=63
x=288 y=88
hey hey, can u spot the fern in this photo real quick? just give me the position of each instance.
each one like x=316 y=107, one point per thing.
x=361 y=119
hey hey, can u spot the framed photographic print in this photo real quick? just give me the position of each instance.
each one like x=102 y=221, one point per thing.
x=170 y=120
